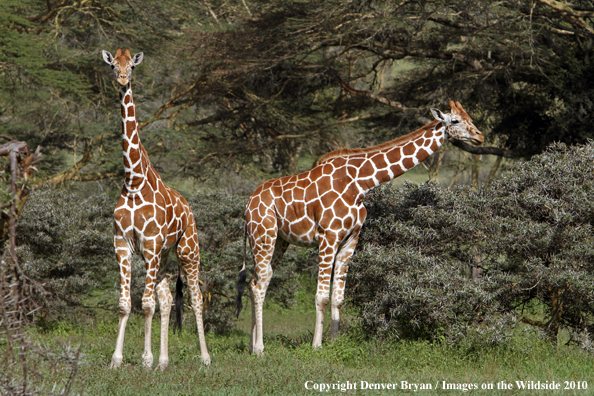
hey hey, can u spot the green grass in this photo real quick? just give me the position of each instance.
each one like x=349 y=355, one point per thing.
x=290 y=361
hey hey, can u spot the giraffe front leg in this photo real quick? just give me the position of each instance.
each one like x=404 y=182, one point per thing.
x=125 y=303
x=165 y=302
x=327 y=253
x=152 y=259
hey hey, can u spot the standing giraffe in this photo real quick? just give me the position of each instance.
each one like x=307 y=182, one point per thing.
x=324 y=207
x=150 y=218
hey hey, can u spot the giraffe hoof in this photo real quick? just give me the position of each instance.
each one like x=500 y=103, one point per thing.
x=162 y=366
x=115 y=362
x=147 y=361
x=206 y=360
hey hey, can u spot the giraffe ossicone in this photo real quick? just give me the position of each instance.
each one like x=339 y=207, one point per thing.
x=323 y=207
x=151 y=219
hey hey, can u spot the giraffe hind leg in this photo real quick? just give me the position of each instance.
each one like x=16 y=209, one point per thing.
x=188 y=253
x=266 y=260
x=327 y=255
x=339 y=279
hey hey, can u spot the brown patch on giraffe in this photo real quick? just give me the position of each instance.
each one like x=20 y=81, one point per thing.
x=302 y=183
x=383 y=176
x=337 y=224
x=428 y=134
x=328 y=199
x=299 y=194
x=130 y=128
x=301 y=226
x=394 y=155
x=315 y=173
x=409 y=149
x=134 y=156
x=339 y=162
x=276 y=190
x=280 y=206
x=340 y=208
x=327 y=169
x=348 y=222
x=366 y=170
x=324 y=184
x=262 y=209
x=380 y=161
x=441 y=139
x=422 y=155
x=408 y=163
x=351 y=171
x=288 y=196
x=123 y=111
x=434 y=146
x=131 y=111
x=311 y=193
x=127 y=99
x=351 y=194
x=356 y=162
x=427 y=143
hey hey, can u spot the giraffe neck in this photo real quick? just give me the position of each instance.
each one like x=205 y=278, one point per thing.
x=136 y=161
x=407 y=152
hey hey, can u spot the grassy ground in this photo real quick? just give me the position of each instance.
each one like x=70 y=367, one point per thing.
x=290 y=364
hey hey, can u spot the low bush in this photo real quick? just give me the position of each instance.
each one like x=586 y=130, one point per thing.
x=530 y=232
x=67 y=243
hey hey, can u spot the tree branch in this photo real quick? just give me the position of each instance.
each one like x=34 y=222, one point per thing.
x=482 y=150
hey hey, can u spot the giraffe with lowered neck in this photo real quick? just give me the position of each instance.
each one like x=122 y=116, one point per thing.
x=323 y=207
x=150 y=219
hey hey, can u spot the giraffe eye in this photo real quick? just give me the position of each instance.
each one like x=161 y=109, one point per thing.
x=454 y=121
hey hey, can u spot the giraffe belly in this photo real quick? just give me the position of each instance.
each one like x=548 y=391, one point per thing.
x=301 y=233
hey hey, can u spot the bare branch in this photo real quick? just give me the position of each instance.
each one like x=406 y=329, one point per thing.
x=367 y=94
x=482 y=150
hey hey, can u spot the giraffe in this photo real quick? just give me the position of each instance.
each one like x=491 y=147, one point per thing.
x=323 y=207
x=150 y=218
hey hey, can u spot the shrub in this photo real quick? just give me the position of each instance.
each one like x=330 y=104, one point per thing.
x=67 y=243
x=530 y=232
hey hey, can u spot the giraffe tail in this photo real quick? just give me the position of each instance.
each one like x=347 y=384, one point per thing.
x=179 y=304
x=241 y=279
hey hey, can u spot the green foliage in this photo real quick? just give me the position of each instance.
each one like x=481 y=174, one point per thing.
x=67 y=243
x=530 y=232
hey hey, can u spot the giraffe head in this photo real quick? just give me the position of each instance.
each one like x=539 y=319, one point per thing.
x=458 y=124
x=122 y=64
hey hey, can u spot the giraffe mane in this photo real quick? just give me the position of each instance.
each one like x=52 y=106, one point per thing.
x=345 y=152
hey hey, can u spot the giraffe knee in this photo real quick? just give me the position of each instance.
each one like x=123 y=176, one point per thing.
x=125 y=307
x=148 y=307
x=322 y=300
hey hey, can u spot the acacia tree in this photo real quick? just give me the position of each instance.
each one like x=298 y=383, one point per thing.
x=263 y=91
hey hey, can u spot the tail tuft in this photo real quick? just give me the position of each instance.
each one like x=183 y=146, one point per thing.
x=179 y=304
x=240 y=289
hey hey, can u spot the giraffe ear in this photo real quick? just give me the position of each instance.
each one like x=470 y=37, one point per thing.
x=439 y=115
x=137 y=58
x=107 y=57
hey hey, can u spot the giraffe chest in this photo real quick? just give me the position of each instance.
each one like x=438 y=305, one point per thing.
x=148 y=220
